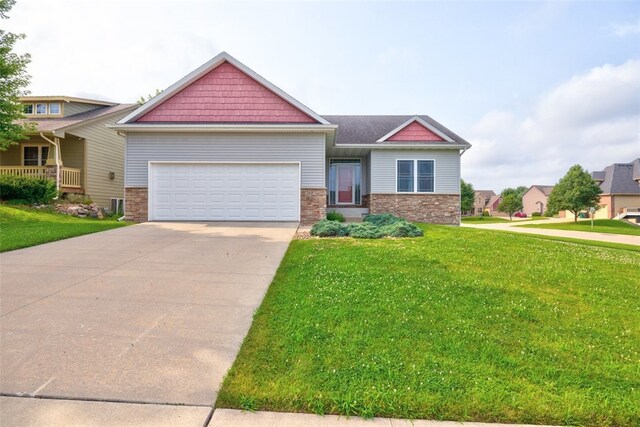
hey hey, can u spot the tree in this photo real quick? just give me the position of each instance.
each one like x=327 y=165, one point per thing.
x=518 y=191
x=511 y=203
x=13 y=81
x=467 y=196
x=575 y=192
x=142 y=99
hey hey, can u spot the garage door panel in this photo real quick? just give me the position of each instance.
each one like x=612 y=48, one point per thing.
x=238 y=192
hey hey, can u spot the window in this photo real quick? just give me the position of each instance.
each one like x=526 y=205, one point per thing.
x=54 y=108
x=405 y=176
x=28 y=108
x=34 y=155
x=415 y=176
x=41 y=108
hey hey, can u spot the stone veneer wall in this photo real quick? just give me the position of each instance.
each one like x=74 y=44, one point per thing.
x=313 y=205
x=432 y=208
x=135 y=204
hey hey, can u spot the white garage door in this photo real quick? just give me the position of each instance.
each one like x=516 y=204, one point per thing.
x=224 y=191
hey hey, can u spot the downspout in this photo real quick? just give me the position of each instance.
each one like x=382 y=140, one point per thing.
x=124 y=135
x=57 y=159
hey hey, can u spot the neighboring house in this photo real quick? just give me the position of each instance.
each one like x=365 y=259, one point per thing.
x=535 y=199
x=486 y=201
x=223 y=143
x=71 y=145
x=620 y=184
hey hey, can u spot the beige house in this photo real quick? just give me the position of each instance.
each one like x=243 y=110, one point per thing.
x=486 y=201
x=620 y=184
x=535 y=199
x=72 y=145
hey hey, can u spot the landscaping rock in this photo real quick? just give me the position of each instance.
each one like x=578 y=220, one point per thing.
x=81 y=211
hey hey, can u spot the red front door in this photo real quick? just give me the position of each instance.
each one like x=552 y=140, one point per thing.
x=345 y=183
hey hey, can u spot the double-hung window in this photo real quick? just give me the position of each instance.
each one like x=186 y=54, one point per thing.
x=415 y=176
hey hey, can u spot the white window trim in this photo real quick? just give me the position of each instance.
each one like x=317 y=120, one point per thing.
x=415 y=176
x=39 y=145
x=59 y=108
x=33 y=108
x=46 y=106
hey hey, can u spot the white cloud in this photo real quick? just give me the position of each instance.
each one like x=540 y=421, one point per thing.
x=593 y=119
x=625 y=29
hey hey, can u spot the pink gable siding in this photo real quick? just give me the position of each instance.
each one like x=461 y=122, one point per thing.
x=414 y=131
x=226 y=95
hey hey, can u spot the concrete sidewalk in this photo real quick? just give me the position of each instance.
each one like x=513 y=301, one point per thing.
x=583 y=235
x=235 y=418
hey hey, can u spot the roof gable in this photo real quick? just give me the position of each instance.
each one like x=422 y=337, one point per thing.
x=416 y=130
x=223 y=91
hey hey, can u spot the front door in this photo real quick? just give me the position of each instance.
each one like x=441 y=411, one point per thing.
x=345 y=174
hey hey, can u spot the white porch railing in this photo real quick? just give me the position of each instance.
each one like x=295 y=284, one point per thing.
x=69 y=177
x=33 y=171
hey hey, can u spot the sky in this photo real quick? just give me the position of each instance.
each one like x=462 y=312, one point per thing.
x=535 y=87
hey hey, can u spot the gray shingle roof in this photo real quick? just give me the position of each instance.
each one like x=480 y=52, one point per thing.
x=619 y=178
x=486 y=193
x=49 y=125
x=369 y=129
x=546 y=189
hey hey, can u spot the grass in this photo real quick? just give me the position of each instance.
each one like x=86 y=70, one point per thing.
x=608 y=226
x=21 y=227
x=462 y=324
x=496 y=220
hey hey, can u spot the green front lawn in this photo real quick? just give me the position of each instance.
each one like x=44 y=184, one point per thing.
x=21 y=227
x=462 y=324
x=609 y=226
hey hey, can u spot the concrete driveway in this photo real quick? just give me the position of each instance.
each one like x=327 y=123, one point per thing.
x=152 y=313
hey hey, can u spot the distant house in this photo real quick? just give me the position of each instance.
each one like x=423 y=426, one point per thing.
x=71 y=145
x=535 y=199
x=486 y=201
x=620 y=184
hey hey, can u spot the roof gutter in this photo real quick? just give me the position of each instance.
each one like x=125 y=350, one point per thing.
x=404 y=146
x=155 y=127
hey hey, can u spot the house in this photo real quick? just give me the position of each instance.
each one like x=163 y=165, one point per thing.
x=223 y=143
x=535 y=199
x=486 y=201
x=71 y=145
x=620 y=185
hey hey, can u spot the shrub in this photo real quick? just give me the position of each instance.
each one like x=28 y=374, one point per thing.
x=365 y=230
x=75 y=198
x=327 y=228
x=536 y=214
x=335 y=216
x=382 y=219
x=485 y=213
x=402 y=229
x=32 y=190
x=549 y=214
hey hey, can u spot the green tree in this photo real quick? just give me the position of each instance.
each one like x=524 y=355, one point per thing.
x=13 y=81
x=575 y=192
x=142 y=99
x=511 y=203
x=467 y=195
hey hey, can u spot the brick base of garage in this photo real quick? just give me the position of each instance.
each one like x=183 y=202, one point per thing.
x=313 y=205
x=136 y=204
x=431 y=208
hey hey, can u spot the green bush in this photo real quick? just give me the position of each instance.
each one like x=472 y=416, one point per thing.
x=536 y=214
x=365 y=230
x=76 y=198
x=327 y=228
x=402 y=229
x=485 y=213
x=382 y=219
x=32 y=190
x=335 y=216
x=548 y=214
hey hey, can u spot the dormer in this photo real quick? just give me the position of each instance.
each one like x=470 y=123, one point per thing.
x=51 y=107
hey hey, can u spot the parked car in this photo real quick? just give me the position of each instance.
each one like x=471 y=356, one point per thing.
x=520 y=215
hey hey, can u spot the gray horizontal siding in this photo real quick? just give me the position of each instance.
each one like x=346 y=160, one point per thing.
x=305 y=148
x=383 y=169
